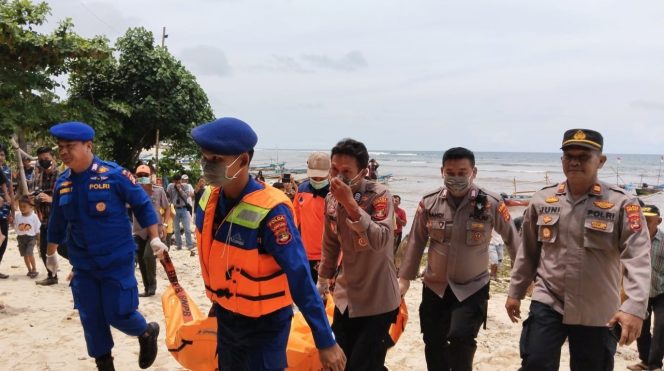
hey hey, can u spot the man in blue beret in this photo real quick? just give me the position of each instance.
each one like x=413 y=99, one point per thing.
x=90 y=216
x=253 y=262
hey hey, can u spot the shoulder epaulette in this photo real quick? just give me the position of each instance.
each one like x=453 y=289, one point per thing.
x=432 y=193
x=490 y=194
x=618 y=189
x=549 y=186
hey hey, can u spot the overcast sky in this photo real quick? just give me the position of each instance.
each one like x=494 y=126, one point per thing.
x=414 y=75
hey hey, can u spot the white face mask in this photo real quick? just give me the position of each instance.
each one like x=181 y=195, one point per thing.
x=319 y=184
x=457 y=184
x=216 y=174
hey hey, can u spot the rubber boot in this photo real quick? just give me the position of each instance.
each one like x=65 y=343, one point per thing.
x=460 y=356
x=105 y=363
x=148 y=344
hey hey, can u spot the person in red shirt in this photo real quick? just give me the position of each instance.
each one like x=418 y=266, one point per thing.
x=309 y=205
x=400 y=216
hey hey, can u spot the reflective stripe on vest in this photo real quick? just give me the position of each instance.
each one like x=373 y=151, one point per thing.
x=247 y=215
x=241 y=279
x=205 y=197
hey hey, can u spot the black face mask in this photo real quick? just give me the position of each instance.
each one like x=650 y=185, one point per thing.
x=45 y=164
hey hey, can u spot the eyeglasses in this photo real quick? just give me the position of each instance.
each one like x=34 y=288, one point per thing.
x=582 y=159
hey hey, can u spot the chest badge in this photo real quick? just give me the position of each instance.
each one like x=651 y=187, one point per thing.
x=101 y=207
x=546 y=233
x=362 y=241
x=603 y=204
x=551 y=200
x=547 y=219
x=596 y=224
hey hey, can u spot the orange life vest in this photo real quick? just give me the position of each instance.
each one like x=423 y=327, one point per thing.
x=241 y=279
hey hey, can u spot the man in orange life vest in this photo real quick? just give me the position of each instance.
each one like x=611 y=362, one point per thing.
x=309 y=205
x=252 y=259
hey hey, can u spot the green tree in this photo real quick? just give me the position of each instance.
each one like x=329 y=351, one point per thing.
x=142 y=90
x=30 y=63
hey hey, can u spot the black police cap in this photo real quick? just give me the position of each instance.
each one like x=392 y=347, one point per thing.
x=583 y=138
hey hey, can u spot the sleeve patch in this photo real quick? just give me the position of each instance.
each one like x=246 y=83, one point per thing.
x=279 y=228
x=502 y=209
x=379 y=206
x=633 y=217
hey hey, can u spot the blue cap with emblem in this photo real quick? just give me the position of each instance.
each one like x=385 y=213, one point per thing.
x=225 y=136
x=73 y=131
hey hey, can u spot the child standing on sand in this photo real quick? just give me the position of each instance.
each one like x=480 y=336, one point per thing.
x=26 y=225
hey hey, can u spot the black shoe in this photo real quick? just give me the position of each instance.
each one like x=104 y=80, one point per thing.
x=48 y=281
x=145 y=294
x=105 y=363
x=3 y=276
x=148 y=343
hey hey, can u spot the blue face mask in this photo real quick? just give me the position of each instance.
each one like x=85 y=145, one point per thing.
x=143 y=180
x=319 y=184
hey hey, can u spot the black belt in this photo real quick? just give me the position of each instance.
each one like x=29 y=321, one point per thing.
x=180 y=207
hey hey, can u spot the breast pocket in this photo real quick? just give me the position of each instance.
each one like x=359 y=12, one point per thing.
x=598 y=234
x=476 y=232
x=436 y=229
x=361 y=242
x=99 y=204
x=66 y=202
x=547 y=228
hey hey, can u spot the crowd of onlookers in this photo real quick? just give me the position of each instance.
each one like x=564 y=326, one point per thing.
x=27 y=209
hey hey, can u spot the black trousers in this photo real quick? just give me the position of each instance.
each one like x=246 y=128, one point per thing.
x=43 y=244
x=397 y=242
x=147 y=264
x=363 y=339
x=651 y=346
x=591 y=348
x=449 y=328
x=4 y=227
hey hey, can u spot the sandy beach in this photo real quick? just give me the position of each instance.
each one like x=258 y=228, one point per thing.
x=40 y=330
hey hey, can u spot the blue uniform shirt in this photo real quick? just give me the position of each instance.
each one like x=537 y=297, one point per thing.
x=291 y=258
x=89 y=213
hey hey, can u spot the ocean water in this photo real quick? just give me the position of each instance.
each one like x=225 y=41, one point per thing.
x=415 y=173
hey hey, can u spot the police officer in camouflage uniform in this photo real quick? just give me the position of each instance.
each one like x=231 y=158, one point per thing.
x=579 y=238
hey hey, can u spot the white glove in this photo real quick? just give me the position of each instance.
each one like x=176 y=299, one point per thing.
x=404 y=284
x=158 y=247
x=52 y=263
x=323 y=286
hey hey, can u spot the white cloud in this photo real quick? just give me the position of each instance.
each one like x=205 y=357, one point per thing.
x=509 y=75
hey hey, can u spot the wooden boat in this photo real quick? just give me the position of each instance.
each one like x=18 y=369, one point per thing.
x=516 y=199
x=645 y=189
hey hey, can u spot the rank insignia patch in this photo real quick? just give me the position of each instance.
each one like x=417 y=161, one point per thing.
x=603 y=204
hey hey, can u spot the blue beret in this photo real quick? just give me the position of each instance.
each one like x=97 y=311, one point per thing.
x=225 y=136
x=73 y=131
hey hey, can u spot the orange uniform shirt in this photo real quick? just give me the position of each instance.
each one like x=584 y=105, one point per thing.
x=309 y=205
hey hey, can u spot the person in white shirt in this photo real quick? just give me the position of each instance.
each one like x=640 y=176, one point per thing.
x=26 y=225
